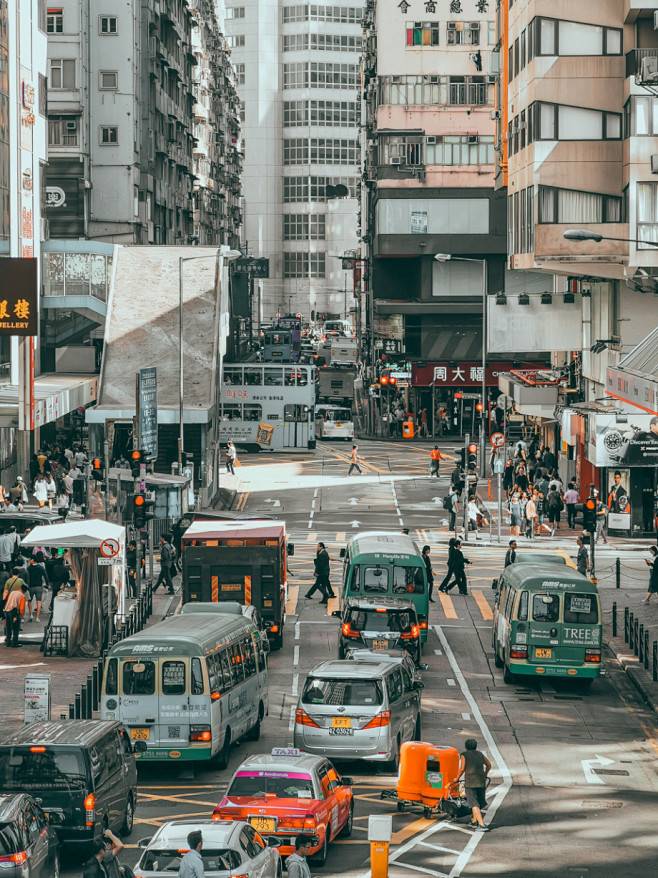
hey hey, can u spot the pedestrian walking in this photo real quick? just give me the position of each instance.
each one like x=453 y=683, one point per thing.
x=322 y=583
x=231 y=457
x=40 y=490
x=653 y=576
x=435 y=457
x=475 y=768
x=113 y=847
x=37 y=580
x=94 y=867
x=451 y=569
x=582 y=558
x=554 y=506
x=571 y=498
x=531 y=516
x=601 y=518
x=14 y=609
x=473 y=513
x=430 y=572
x=455 y=494
x=191 y=865
x=510 y=555
x=458 y=570
x=423 y=424
x=515 y=512
x=296 y=864
x=165 y=564
x=354 y=461
x=18 y=493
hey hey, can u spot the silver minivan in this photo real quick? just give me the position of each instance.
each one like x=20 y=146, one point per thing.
x=358 y=710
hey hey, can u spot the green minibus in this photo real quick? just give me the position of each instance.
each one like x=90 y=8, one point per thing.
x=547 y=622
x=386 y=564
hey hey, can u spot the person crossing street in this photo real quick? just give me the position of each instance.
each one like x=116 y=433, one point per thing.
x=354 y=461
x=435 y=457
x=166 y=560
x=322 y=583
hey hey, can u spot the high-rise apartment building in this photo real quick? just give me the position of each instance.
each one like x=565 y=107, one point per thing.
x=578 y=151
x=297 y=68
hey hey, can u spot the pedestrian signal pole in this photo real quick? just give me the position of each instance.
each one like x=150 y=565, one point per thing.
x=467 y=442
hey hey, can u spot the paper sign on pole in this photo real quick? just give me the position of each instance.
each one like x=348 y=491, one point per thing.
x=37 y=698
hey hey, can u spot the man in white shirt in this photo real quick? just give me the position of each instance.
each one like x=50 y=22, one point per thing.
x=191 y=866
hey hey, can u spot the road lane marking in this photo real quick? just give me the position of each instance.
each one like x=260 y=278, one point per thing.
x=438 y=652
x=291 y=722
x=295 y=684
x=311 y=538
x=295 y=656
x=332 y=604
x=340 y=537
x=297 y=630
x=483 y=604
x=315 y=493
x=450 y=681
x=293 y=597
x=466 y=716
x=588 y=768
x=447 y=606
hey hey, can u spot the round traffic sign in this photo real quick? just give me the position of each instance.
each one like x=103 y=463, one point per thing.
x=109 y=548
x=497 y=440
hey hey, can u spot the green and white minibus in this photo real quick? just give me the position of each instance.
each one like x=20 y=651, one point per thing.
x=547 y=622
x=189 y=686
x=387 y=564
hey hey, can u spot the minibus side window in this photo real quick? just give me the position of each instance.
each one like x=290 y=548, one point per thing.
x=197 y=677
x=522 y=615
x=355 y=584
x=111 y=677
x=226 y=667
x=546 y=611
x=509 y=603
x=408 y=580
x=237 y=670
x=249 y=657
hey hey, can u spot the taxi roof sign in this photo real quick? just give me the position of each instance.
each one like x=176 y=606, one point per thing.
x=286 y=751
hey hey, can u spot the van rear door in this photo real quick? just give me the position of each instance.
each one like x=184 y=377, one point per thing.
x=140 y=709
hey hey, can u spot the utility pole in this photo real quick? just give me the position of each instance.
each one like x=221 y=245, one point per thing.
x=467 y=442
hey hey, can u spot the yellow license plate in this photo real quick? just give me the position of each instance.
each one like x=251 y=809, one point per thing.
x=380 y=644
x=341 y=722
x=263 y=824
x=543 y=653
x=139 y=734
x=339 y=425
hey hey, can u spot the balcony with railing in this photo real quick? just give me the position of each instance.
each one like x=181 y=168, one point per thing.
x=643 y=65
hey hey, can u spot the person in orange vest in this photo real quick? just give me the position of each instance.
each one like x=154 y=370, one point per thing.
x=14 y=609
x=354 y=461
x=435 y=456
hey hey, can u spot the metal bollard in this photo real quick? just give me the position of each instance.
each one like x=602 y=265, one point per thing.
x=655 y=661
x=617 y=573
x=626 y=624
x=636 y=635
x=614 y=618
x=640 y=644
x=630 y=631
x=89 y=693
x=94 y=689
x=71 y=711
x=78 y=706
x=646 y=650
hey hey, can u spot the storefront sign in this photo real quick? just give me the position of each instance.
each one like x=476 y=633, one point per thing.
x=460 y=375
x=612 y=443
x=36 y=698
x=18 y=295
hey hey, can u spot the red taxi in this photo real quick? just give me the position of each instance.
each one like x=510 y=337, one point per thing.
x=289 y=792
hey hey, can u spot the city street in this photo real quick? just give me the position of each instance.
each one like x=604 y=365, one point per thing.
x=571 y=770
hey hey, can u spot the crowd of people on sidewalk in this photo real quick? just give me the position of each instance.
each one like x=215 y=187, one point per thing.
x=57 y=482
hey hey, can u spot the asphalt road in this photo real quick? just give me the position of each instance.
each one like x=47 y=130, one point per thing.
x=575 y=782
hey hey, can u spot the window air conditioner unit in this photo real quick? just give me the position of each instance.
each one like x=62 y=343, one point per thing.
x=431 y=139
x=649 y=69
x=654 y=164
x=491 y=79
x=396 y=160
x=71 y=126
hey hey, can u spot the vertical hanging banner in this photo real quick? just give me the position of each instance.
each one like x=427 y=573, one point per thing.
x=148 y=411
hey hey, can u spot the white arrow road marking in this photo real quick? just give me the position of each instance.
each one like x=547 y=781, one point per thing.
x=437 y=500
x=356 y=523
x=588 y=770
x=353 y=501
x=277 y=503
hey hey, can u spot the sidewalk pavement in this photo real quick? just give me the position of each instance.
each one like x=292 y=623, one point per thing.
x=68 y=673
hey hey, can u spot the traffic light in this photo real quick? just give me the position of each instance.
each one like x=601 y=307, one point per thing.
x=589 y=515
x=141 y=512
x=462 y=457
x=137 y=458
x=478 y=406
x=384 y=379
x=472 y=456
x=97 y=469
x=392 y=381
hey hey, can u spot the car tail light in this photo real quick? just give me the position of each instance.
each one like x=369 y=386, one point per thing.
x=90 y=809
x=20 y=857
x=592 y=655
x=215 y=696
x=518 y=652
x=414 y=634
x=423 y=625
x=303 y=719
x=348 y=631
x=37 y=749
x=310 y=822
x=200 y=733
x=383 y=718
x=291 y=823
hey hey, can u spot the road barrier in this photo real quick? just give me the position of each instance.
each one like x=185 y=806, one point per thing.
x=617 y=573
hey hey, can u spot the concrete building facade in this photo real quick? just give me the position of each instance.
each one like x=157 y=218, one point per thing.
x=297 y=68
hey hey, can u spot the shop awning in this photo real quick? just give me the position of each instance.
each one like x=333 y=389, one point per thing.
x=55 y=395
x=635 y=379
x=76 y=535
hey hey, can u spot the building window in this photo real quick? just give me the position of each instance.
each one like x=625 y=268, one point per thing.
x=561 y=122
x=63 y=131
x=338 y=14
x=108 y=25
x=647 y=214
x=235 y=42
x=470 y=90
x=521 y=222
x=109 y=135
x=235 y=12
x=303 y=264
x=54 y=21
x=463 y=33
x=465 y=149
x=333 y=75
x=109 y=80
x=401 y=150
x=422 y=33
x=239 y=73
x=321 y=42
x=62 y=73
x=336 y=114
x=305 y=189
x=491 y=33
x=550 y=36
x=641 y=117
x=572 y=206
x=304 y=227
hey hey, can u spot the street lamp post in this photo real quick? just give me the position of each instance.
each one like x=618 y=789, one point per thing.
x=589 y=235
x=448 y=257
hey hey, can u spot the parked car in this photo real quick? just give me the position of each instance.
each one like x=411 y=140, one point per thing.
x=83 y=773
x=230 y=848
x=29 y=847
x=358 y=710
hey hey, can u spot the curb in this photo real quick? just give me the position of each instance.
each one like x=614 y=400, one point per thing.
x=642 y=679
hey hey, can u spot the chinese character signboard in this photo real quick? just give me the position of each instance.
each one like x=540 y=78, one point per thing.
x=36 y=698
x=18 y=297
x=148 y=411
x=257 y=268
x=459 y=374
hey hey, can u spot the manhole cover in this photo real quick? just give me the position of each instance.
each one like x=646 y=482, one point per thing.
x=619 y=772
x=600 y=805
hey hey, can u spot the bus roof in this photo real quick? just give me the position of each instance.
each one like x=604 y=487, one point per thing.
x=383 y=542
x=190 y=634
x=544 y=576
x=235 y=530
